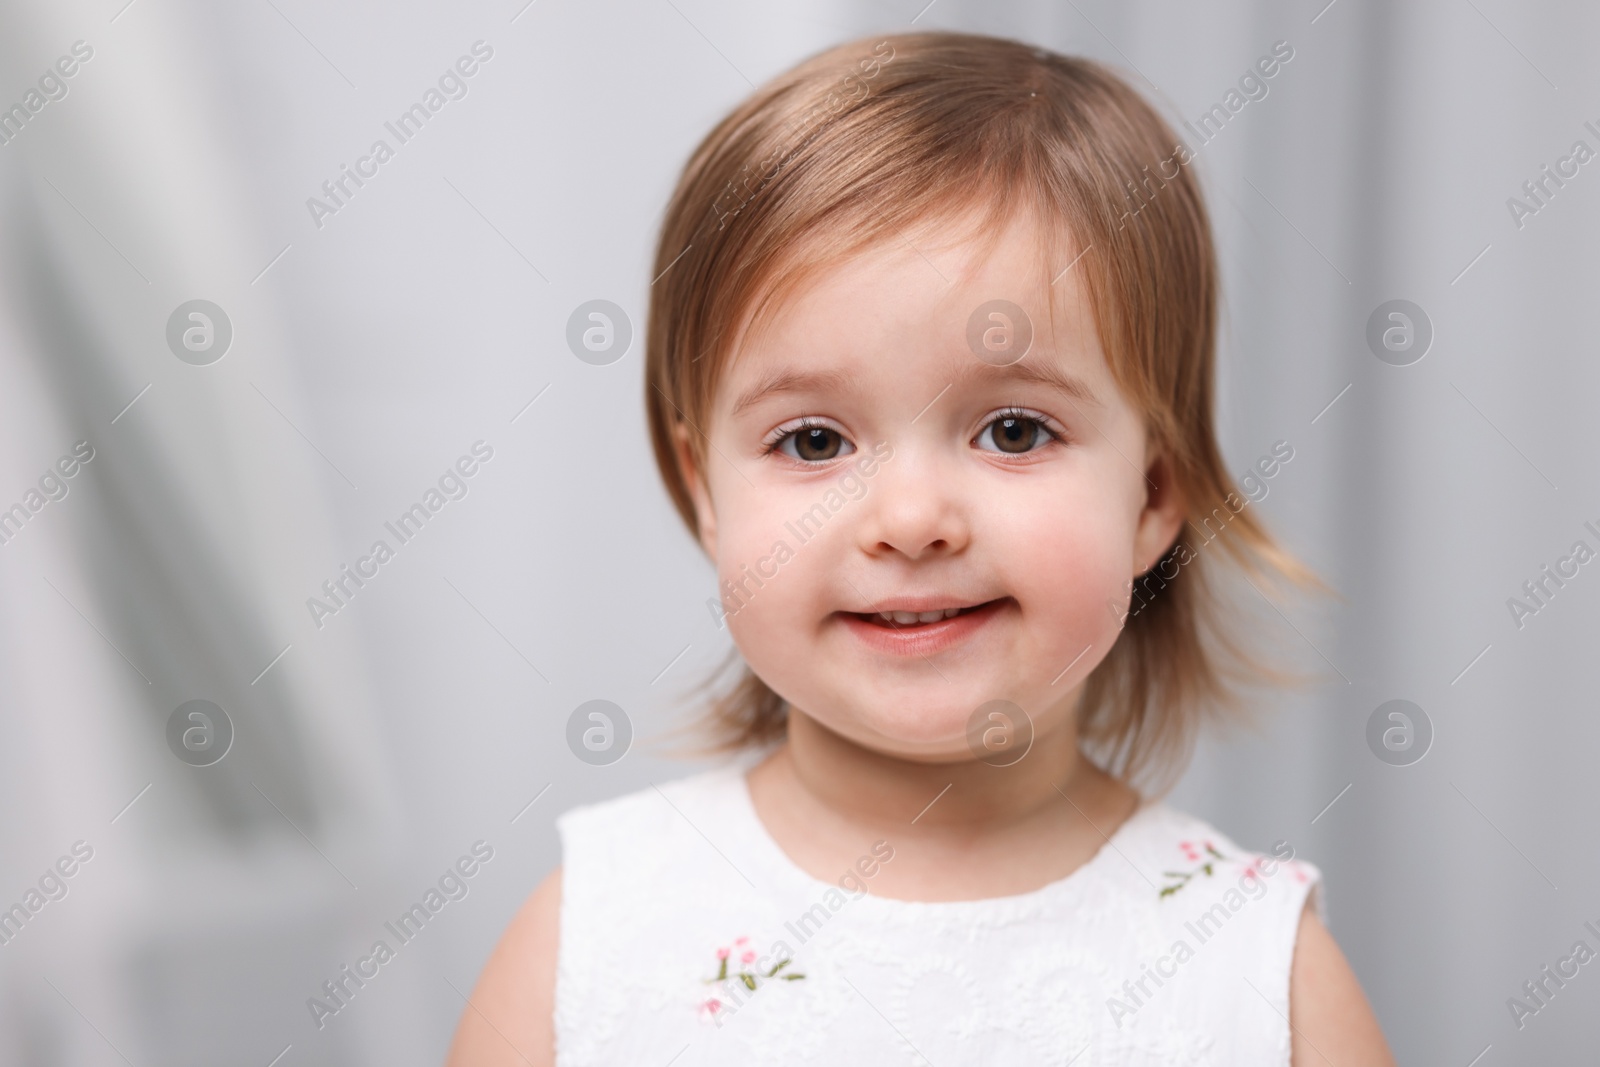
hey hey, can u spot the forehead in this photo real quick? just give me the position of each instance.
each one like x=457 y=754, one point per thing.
x=927 y=293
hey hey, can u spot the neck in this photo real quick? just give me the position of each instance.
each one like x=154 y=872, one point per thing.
x=857 y=782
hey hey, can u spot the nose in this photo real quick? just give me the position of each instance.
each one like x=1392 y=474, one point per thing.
x=916 y=509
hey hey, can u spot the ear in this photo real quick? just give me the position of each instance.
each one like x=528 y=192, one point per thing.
x=1165 y=511
x=705 y=515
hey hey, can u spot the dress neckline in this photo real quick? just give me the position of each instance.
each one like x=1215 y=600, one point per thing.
x=791 y=876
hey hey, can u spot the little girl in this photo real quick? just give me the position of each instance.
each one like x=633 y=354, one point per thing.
x=929 y=377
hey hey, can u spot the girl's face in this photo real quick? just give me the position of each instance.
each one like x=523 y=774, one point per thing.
x=863 y=458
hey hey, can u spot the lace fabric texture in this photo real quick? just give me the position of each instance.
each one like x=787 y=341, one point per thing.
x=1170 y=946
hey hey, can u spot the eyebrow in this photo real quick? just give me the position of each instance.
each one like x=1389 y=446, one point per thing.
x=1046 y=374
x=791 y=381
x=800 y=381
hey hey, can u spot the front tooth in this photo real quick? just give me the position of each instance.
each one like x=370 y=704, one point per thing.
x=904 y=618
x=930 y=616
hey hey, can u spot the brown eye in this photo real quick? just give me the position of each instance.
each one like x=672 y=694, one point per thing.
x=1014 y=434
x=813 y=444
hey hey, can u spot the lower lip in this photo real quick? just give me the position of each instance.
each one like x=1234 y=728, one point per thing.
x=922 y=639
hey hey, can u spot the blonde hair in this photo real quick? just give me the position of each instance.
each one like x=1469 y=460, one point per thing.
x=853 y=145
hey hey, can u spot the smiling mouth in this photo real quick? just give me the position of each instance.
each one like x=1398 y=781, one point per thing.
x=902 y=620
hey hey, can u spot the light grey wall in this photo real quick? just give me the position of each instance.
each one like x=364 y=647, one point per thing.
x=371 y=352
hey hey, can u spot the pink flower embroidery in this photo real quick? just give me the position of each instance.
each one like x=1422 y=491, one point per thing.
x=714 y=1007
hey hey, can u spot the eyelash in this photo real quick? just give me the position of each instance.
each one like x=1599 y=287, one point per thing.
x=1054 y=435
x=776 y=440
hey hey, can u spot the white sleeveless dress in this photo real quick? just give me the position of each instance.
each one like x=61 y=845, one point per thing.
x=678 y=912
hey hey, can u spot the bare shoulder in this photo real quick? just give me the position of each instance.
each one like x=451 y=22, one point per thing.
x=510 y=1019
x=1329 y=1014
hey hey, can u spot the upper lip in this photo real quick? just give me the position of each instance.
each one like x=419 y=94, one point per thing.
x=935 y=602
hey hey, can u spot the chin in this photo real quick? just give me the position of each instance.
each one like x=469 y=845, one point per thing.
x=936 y=735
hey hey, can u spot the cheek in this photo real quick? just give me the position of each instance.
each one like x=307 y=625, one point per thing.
x=768 y=562
x=773 y=621
x=1081 y=558
x=1068 y=556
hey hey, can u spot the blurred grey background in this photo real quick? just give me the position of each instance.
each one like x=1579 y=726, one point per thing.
x=372 y=347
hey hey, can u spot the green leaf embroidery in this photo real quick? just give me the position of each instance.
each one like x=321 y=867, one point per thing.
x=1184 y=877
x=751 y=980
